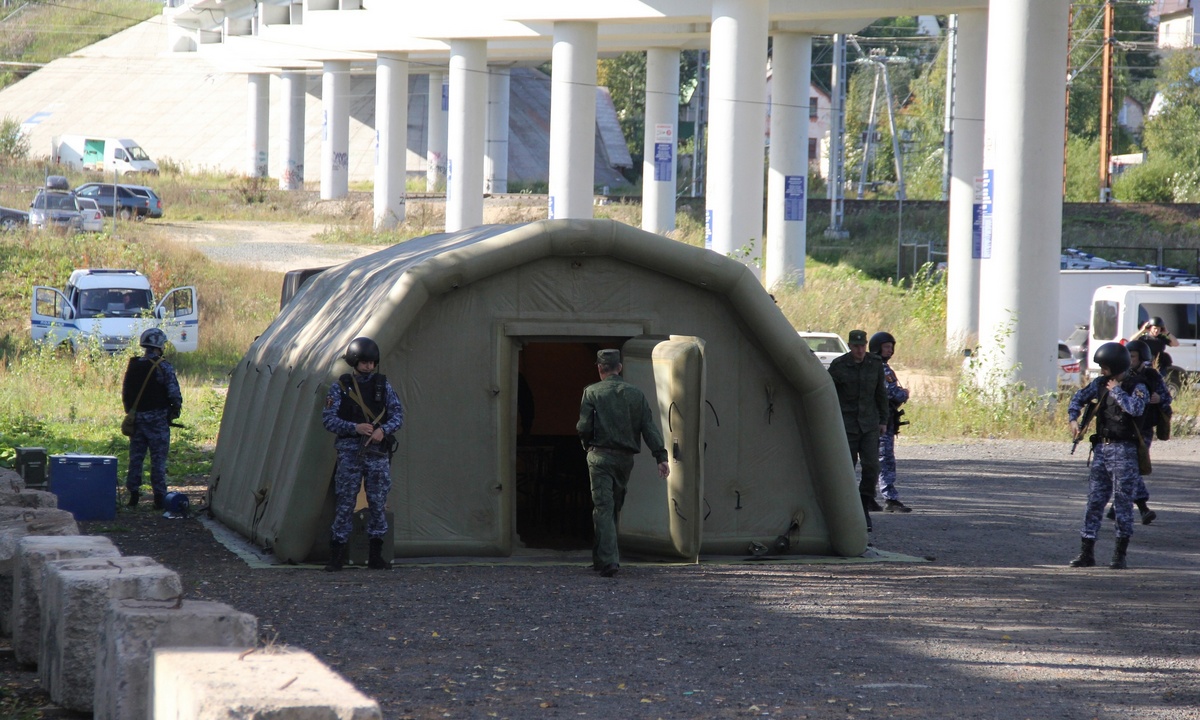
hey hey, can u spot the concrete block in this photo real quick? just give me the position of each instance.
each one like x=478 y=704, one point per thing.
x=133 y=629
x=270 y=683
x=11 y=481
x=29 y=499
x=33 y=552
x=16 y=523
x=75 y=598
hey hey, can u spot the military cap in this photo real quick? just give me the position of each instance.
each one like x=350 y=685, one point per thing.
x=857 y=337
x=608 y=357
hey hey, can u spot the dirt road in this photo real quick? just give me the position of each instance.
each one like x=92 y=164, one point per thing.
x=268 y=245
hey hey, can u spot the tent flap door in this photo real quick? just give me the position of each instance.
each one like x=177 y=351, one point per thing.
x=664 y=519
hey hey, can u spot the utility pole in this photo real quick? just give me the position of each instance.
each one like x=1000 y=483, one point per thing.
x=1106 y=103
x=948 y=125
x=837 y=143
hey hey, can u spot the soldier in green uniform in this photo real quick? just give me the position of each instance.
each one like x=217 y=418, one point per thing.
x=614 y=418
x=862 y=393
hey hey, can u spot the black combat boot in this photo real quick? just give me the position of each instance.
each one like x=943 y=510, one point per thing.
x=1148 y=515
x=159 y=501
x=1118 y=559
x=337 y=556
x=1087 y=553
x=375 y=559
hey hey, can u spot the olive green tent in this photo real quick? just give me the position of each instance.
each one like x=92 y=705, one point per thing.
x=489 y=336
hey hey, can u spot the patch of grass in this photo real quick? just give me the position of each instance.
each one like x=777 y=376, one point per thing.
x=36 y=32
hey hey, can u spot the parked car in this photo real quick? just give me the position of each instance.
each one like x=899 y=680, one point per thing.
x=156 y=208
x=825 y=345
x=93 y=219
x=54 y=206
x=128 y=204
x=1078 y=342
x=1069 y=371
x=11 y=219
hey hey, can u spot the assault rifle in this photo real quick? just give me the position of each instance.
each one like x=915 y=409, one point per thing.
x=1089 y=412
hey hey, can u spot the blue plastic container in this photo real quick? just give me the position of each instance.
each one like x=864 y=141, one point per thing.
x=86 y=485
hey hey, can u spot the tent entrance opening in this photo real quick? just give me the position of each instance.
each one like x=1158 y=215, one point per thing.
x=554 y=501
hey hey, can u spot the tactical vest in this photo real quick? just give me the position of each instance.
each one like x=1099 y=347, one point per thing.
x=373 y=395
x=1151 y=379
x=155 y=395
x=1112 y=422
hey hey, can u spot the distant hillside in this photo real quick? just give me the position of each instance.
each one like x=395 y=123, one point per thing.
x=35 y=33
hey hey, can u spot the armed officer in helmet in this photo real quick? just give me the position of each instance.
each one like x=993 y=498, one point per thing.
x=883 y=344
x=1121 y=399
x=363 y=411
x=1157 y=404
x=1156 y=336
x=151 y=388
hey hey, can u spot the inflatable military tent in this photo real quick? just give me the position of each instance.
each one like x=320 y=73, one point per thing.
x=489 y=336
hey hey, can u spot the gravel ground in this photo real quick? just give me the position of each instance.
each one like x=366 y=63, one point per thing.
x=991 y=625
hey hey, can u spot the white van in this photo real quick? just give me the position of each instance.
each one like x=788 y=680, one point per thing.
x=104 y=154
x=115 y=306
x=1119 y=311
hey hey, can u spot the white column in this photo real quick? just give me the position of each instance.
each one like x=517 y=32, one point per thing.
x=1023 y=154
x=391 y=138
x=435 y=134
x=258 y=112
x=573 y=120
x=291 y=130
x=495 y=157
x=966 y=164
x=464 y=132
x=335 y=129
x=659 y=161
x=787 y=178
x=736 y=124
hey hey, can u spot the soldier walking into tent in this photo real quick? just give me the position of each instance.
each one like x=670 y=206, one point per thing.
x=614 y=419
x=363 y=411
x=1120 y=401
x=151 y=390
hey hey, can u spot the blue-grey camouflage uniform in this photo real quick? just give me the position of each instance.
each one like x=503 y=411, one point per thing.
x=1114 y=469
x=897 y=396
x=160 y=403
x=356 y=465
x=1155 y=384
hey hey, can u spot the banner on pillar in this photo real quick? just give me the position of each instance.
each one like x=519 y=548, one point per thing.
x=981 y=217
x=445 y=97
x=552 y=216
x=708 y=229
x=664 y=162
x=794 y=197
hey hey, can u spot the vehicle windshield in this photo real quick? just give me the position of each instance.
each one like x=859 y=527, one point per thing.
x=114 y=302
x=54 y=201
x=824 y=344
x=137 y=153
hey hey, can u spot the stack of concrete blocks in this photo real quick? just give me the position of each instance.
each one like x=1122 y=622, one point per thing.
x=24 y=512
x=32 y=555
x=75 y=597
x=111 y=634
x=196 y=684
x=132 y=631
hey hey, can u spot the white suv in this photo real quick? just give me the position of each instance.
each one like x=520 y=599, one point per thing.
x=825 y=345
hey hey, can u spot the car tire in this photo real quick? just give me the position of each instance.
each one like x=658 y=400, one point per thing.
x=1175 y=380
x=8 y=224
x=125 y=213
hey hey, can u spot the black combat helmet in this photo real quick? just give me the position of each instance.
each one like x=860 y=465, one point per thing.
x=1156 y=321
x=361 y=348
x=877 y=340
x=1112 y=357
x=153 y=338
x=1141 y=348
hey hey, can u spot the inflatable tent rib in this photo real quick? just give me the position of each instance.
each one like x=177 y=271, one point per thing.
x=489 y=336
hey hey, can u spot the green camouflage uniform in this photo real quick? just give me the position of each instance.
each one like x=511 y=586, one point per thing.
x=862 y=394
x=614 y=418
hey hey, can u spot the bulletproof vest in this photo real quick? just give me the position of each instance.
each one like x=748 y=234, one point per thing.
x=1113 y=423
x=155 y=395
x=372 y=395
x=1150 y=378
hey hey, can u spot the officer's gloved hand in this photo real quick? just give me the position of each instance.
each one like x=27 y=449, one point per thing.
x=174 y=412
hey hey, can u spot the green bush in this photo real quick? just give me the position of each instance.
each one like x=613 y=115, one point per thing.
x=14 y=146
x=1149 y=182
